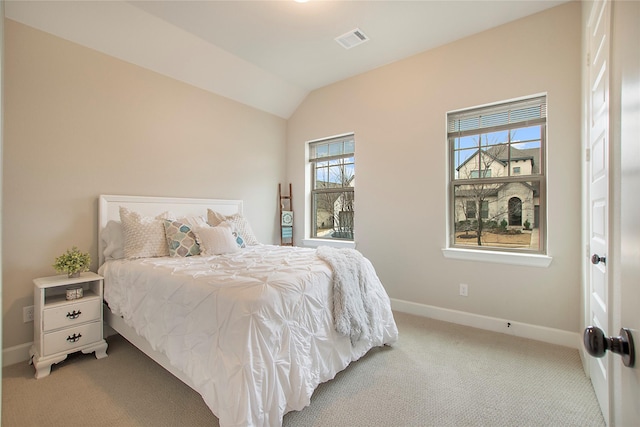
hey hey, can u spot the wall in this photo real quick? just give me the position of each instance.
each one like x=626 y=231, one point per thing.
x=79 y=123
x=398 y=114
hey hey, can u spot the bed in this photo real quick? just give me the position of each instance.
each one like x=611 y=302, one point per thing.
x=255 y=329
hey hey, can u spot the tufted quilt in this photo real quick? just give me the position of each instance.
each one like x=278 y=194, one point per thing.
x=253 y=329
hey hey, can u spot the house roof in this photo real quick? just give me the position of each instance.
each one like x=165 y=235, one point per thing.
x=516 y=154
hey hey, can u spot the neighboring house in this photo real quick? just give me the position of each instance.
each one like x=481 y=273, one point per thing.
x=515 y=202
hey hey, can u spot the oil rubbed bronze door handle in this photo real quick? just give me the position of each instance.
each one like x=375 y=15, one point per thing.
x=597 y=259
x=597 y=344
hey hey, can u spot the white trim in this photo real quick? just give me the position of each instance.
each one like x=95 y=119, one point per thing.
x=20 y=353
x=523 y=330
x=512 y=258
x=16 y=354
x=314 y=243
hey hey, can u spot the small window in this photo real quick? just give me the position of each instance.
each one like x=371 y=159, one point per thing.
x=493 y=203
x=332 y=187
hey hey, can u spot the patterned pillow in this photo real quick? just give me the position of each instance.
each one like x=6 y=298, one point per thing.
x=238 y=237
x=216 y=240
x=143 y=236
x=180 y=239
x=239 y=222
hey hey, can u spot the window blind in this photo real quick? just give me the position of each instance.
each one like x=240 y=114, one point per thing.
x=521 y=113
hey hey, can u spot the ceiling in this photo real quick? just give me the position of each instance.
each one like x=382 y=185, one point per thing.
x=266 y=54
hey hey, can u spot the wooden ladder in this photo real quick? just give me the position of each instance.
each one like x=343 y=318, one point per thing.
x=286 y=217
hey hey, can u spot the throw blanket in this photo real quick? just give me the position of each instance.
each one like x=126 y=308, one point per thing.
x=353 y=277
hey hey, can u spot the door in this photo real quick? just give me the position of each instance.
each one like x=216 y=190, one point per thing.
x=598 y=32
x=626 y=86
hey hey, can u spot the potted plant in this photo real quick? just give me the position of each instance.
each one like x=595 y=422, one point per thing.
x=73 y=262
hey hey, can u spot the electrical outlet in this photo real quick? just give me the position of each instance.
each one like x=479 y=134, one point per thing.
x=464 y=289
x=27 y=314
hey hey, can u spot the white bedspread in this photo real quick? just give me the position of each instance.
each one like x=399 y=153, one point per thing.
x=253 y=330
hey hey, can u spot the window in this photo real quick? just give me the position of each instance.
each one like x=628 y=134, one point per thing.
x=332 y=187
x=493 y=204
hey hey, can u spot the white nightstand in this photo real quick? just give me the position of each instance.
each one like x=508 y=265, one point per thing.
x=64 y=326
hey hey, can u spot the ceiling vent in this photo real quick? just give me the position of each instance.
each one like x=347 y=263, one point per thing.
x=352 y=38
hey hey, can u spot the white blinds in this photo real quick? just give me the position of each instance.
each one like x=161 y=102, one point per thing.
x=521 y=113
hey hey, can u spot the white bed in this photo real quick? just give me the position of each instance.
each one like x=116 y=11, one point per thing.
x=252 y=331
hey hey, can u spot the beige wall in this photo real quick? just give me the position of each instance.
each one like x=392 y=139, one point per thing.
x=398 y=115
x=79 y=123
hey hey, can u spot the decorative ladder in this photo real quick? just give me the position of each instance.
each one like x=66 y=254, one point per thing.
x=286 y=217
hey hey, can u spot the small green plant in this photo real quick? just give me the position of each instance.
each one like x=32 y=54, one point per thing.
x=527 y=224
x=503 y=225
x=72 y=262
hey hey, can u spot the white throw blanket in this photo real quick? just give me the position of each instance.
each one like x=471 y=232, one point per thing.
x=354 y=313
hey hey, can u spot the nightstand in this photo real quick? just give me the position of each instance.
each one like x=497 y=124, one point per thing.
x=64 y=326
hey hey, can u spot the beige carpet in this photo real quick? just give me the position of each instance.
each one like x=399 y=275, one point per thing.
x=438 y=374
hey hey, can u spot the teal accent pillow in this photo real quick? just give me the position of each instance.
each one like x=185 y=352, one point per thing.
x=239 y=240
x=180 y=239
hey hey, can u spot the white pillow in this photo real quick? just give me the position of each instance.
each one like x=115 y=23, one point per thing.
x=194 y=221
x=144 y=237
x=216 y=240
x=112 y=241
x=239 y=222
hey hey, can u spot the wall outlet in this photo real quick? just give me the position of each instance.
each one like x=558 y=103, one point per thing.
x=464 y=289
x=27 y=314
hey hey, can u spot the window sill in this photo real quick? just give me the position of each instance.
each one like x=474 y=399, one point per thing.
x=325 y=242
x=529 y=260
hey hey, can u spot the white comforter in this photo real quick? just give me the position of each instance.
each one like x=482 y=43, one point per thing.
x=253 y=330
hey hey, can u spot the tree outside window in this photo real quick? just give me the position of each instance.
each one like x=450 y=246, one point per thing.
x=333 y=187
x=495 y=204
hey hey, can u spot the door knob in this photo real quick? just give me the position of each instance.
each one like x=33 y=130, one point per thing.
x=597 y=259
x=597 y=344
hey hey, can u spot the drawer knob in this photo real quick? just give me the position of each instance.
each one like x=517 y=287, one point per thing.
x=74 y=314
x=74 y=337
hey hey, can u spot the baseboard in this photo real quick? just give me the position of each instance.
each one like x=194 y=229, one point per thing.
x=16 y=354
x=505 y=326
x=20 y=353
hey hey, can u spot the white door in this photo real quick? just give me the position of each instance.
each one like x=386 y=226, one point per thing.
x=598 y=33
x=626 y=52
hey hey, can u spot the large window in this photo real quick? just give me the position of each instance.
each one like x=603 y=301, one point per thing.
x=497 y=179
x=332 y=187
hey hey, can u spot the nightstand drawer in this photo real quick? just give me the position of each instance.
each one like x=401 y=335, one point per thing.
x=71 y=314
x=68 y=339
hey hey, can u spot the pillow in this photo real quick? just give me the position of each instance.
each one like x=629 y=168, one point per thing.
x=180 y=239
x=143 y=236
x=238 y=237
x=216 y=240
x=239 y=222
x=194 y=221
x=112 y=241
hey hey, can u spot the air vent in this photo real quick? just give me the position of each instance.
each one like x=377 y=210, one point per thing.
x=352 y=38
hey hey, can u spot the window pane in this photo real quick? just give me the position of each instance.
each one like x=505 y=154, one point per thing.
x=349 y=146
x=526 y=134
x=336 y=148
x=495 y=138
x=321 y=150
x=334 y=214
x=466 y=142
x=526 y=157
x=509 y=215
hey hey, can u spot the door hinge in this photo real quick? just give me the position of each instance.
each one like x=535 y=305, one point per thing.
x=587 y=155
x=588 y=59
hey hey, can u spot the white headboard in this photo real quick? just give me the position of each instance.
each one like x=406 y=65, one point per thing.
x=109 y=209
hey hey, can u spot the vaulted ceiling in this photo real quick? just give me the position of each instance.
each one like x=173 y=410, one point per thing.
x=266 y=54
